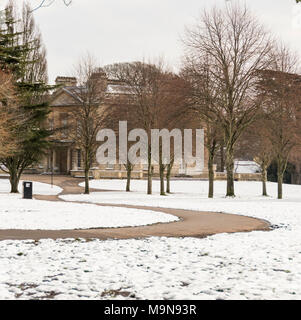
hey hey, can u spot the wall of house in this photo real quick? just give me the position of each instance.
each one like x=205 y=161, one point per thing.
x=64 y=148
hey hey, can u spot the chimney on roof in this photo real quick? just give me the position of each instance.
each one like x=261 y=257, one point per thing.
x=66 y=81
x=99 y=80
x=98 y=74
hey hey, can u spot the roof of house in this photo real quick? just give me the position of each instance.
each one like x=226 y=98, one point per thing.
x=71 y=95
x=74 y=92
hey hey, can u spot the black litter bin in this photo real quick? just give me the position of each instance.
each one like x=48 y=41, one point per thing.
x=27 y=190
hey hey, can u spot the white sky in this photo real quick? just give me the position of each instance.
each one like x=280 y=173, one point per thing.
x=127 y=30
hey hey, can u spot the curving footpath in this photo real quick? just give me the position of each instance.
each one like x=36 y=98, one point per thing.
x=191 y=224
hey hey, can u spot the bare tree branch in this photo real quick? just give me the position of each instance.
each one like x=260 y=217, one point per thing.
x=48 y=3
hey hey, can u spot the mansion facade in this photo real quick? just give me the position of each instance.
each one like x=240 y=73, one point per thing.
x=66 y=158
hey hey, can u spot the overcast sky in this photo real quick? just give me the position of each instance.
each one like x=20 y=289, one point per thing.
x=127 y=30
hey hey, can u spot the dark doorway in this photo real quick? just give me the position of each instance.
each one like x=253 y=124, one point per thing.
x=61 y=160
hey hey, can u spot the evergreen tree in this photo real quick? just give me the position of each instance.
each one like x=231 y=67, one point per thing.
x=11 y=51
x=22 y=54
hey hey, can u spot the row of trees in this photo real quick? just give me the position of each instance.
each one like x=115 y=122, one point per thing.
x=275 y=133
x=236 y=82
x=244 y=86
x=150 y=97
x=25 y=96
x=155 y=100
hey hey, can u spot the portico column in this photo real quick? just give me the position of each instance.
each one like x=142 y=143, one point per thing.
x=68 y=160
x=72 y=155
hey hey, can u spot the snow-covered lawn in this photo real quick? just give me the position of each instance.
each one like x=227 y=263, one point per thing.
x=254 y=265
x=198 y=187
x=38 y=188
x=192 y=194
x=246 y=167
x=257 y=265
x=18 y=213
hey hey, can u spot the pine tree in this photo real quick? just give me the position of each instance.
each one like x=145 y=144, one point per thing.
x=22 y=54
x=11 y=51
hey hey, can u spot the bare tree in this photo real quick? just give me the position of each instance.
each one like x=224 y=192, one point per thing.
x=31 y=36
x=171 y=114
x=263 y=159
x=89 y=115
x=122 y=109
x=238 y=47
x=145 y=84
x=203 y=96
x=281 y=91
x=255 y=144
x=211 y=143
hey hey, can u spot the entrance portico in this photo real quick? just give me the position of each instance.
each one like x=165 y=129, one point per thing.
x=62 y=158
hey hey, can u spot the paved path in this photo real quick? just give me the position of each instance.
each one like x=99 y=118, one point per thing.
x=191 y=224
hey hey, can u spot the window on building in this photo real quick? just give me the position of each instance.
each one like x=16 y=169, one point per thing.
x=64 y=124
x=50 y=124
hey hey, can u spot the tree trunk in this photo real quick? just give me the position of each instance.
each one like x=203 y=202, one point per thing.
x=222 y=161
x=281 y=166
x=128 y=176
x=230 y=173
x=14 y=179
x=168 y=179
x=264 y=181
x=280 y=180
x=87 y=190
x=168 y=173
x=161 y=170
x=149 y=180
x=149 y=172
x=280 y=172
x=211 y=174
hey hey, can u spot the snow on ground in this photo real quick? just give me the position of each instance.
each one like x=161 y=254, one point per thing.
x=257 y=265
x=254 y=265
x=246 y=167
x=38 y=187
x=17 y=213
x=192 y=194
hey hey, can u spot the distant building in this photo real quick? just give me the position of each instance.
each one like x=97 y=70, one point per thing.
x=65 y=157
